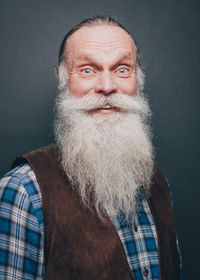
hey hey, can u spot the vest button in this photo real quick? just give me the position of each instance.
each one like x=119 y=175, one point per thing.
x=135 y=227
x=145 y=272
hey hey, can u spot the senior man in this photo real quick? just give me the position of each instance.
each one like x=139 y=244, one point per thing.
x=95 y=205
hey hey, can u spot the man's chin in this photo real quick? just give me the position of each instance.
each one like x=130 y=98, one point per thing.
x=105 y=118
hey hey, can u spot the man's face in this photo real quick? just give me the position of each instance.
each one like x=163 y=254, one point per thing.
x=106 y=151
x=102 y=60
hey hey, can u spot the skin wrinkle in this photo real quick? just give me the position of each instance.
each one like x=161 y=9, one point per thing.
x=95 y=64
x=89 y=57
x=84 y=58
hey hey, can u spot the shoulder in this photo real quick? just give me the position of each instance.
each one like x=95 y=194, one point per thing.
x=159 y=181
x=19 y=189
x=159 y=190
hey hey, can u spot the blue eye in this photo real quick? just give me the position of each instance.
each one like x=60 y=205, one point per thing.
x=87 y=71
x=122 y=70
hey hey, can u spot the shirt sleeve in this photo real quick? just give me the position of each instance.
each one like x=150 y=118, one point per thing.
x=21 y=237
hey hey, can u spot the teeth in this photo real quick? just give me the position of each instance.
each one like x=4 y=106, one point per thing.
x=106 y=106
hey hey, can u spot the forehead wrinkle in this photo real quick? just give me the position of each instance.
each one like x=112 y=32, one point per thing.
x=90 y=56
x=107 y=45
x=100 y=43
x=104 y=44
x=122 y=55
x=87 y=48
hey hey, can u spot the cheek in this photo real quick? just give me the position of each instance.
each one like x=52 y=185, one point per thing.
x=128 y=86
x=80 y=87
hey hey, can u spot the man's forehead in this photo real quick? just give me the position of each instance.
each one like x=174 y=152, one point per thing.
x=90 y=55
x=99 y=36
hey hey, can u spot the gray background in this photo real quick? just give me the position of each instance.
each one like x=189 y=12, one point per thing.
x=167 y=33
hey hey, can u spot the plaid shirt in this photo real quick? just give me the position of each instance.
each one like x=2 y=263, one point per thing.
x=22 y=231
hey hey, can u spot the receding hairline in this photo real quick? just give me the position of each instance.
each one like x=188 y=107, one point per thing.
x=92 y=22
x=116 y=42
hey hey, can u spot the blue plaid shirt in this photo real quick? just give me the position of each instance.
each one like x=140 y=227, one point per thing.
x=22 y=231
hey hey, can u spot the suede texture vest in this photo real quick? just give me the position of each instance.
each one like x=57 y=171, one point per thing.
x=77 y=245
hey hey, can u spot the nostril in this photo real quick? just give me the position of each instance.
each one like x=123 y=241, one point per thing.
x=106 y=92
x=105 y=84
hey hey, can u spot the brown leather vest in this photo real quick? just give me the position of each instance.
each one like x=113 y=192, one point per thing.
x=77 y=244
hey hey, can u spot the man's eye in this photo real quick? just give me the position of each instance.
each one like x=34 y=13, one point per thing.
x=122 y=70
x=87 y=71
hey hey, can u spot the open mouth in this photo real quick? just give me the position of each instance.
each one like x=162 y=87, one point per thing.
x=105 y=109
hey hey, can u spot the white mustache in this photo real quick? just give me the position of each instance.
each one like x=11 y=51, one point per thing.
x=121 y=101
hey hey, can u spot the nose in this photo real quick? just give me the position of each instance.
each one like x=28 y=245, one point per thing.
x=105 y=84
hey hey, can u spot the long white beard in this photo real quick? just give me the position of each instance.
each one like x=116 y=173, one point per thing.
x=106 y=156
